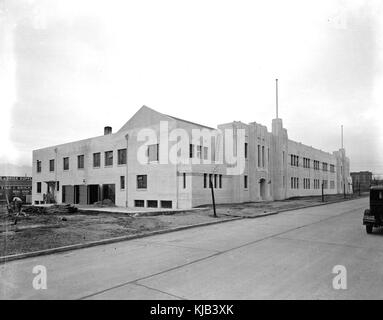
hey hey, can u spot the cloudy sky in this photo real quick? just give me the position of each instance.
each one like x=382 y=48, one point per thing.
x=70 y=67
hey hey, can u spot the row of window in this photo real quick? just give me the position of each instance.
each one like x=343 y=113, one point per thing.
x=307 y=163
x=214 y=179
x=153 y=203
x=306 y=183
x=108 y=160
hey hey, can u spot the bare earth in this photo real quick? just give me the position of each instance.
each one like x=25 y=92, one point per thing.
x=43 y=231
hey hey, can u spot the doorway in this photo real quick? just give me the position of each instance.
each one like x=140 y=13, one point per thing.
x=262 y=189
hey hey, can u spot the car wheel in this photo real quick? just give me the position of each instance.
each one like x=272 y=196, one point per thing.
x=369 y=228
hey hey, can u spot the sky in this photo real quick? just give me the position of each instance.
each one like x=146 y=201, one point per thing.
x=70 y=67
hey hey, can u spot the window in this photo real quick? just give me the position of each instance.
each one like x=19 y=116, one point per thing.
x=139 y=203
x=38 y=187
x=324 y=166
x=153 y=152
x=245 y=150
x=66 y=163
x=332 y=168
x=58 y=185
x=220 y=181
x=122 y=182
x=283 y=157
x=38 y=166
x=205 y=180
x=121 y=156
x=332 y=185
x=263 y=156
x=152 y=203
x=191 y=150
x=96 y=160
x=215 y=181
x=108 y=158
x=306 y=163
x=166 y=204
x=205 y=153
x=199 y=152
x=80 y=162
x=259 y=155
x=292 y=183
x=52 y=165
x=210 y=181
x=142 y=181
x=316 y=165
x=184 y=180
x=245 y=181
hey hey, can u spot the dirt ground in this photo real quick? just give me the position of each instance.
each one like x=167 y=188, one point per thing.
x=45 y=231
x=38 y=232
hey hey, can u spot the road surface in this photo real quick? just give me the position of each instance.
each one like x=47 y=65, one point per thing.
x=286 y=256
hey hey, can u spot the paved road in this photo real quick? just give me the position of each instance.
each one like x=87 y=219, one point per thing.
x=286 y=256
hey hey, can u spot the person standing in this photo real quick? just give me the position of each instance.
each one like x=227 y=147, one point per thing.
x=18 y=203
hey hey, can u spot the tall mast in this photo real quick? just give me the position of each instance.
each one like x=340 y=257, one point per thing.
x=276 y=96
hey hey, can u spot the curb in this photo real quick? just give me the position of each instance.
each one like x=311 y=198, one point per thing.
x=139 y=213
x=5 y=259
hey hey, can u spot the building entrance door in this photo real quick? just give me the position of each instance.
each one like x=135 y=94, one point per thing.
x=262 y=189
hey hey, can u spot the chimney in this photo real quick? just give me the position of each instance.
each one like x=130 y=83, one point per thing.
x=107 y=130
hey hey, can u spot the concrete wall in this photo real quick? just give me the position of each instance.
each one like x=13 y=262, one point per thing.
x=266 y=180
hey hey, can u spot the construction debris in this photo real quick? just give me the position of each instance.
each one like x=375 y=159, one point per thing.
x=54 y=209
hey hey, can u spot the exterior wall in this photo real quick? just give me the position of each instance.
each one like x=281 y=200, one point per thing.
x=361 y=180
x=268 y=171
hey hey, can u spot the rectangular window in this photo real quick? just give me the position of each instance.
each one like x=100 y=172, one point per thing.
x=205 y=153
x=121 y=156
x=122 y=182
x=215 y=181
x=166 y=204
x=259 y=155
x=58 y=185
x=245 y=150
x=96 y=160
x=52 y=165
x=108 y=158
x=332 y=168
x=38 y=166
x=152 y=203
x=245 y=182
x=283 y=157
x=199 y=152
x=205 y=180
x=220 y=181
x=184 y=180
x=38 y=187
x=142 y=181
x=153 y=152
x=139 y=203
x=263 y=156
x=210 y=181
x=80 y=162
x=66 y=163
x=191 y=151
x=292 y=183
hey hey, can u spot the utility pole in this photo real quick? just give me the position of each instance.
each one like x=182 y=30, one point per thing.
x=276 y=96
x=322 y=191
x=212 y=194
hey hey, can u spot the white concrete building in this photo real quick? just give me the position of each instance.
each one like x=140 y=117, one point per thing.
x=110 y=167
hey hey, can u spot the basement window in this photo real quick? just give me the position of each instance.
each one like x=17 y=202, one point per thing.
x=152 y=203
x=166 y=204
x=139 y=203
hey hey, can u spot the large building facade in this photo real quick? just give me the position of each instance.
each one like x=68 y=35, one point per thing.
x=134 y=168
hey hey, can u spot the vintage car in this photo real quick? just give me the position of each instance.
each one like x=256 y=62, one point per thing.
x=373 y=217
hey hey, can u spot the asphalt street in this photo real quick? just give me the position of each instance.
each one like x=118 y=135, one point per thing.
x=286 y=256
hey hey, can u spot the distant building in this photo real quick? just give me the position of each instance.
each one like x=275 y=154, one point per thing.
x=107 y=167
x=362 y=180
x=12 y=186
